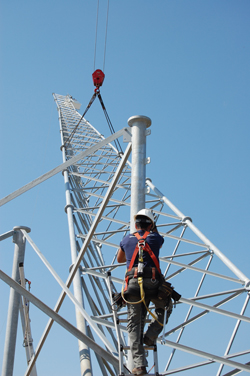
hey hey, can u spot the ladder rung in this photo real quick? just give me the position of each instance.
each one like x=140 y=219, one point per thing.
x=126 y=347
x=145 y=347
x=126 y=320
x=150 y=347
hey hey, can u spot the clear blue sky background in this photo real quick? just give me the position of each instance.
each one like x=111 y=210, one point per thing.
x=183 y=63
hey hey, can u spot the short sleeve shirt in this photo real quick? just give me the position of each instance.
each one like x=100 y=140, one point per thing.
x=130 y=241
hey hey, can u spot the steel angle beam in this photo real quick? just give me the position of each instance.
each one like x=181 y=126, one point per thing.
x=204 y=363
x=213 y=295
x=100 y=241
x=199 y=315
x=103 y=217
x=205 y=272
x=207 y=355
x=215 y=310
x=101 y=275
x=166 y=258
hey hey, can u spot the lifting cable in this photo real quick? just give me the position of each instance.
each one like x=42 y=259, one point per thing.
x=106 y=34
x=98 y=78
x=96 y=31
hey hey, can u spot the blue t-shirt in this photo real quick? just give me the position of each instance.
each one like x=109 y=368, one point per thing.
x=130 y=241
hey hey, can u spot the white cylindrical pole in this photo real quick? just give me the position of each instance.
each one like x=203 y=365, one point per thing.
x=138 y=125
x=14 y=304
x=84 y=353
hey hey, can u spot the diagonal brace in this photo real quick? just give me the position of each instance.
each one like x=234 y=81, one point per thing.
x=61 y=167
x=82 y=252
x=59 y=319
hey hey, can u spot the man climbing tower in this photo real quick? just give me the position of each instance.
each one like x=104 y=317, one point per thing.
x=142 y=281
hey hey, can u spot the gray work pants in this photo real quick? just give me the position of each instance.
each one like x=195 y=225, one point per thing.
x=136 y=319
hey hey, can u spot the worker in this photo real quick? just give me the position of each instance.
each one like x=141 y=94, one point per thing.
x=145 y=226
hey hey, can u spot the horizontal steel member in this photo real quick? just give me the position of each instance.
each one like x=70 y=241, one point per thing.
x=190 y=267
x=195 y=365
x=206 y=355
x=216 y=310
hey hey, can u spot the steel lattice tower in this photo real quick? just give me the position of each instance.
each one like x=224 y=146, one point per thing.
x=215 y=293
x=188 y=265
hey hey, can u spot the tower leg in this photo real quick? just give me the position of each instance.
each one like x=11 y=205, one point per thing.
x=25 y=319
x=14 y=304
x=84 y=352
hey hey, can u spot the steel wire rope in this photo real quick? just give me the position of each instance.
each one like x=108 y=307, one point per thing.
x=96 y=27
x=96 y=34
x=97 y=92
x=117 y=143
x=106 y=33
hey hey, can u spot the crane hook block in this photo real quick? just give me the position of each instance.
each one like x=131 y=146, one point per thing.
x=98 y=78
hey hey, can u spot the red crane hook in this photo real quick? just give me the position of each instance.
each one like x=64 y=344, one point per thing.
x=98 y=78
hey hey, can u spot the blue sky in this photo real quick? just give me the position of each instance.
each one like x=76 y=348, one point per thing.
x=183 y=63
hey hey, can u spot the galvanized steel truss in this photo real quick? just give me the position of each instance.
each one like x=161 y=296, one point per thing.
x=186 y=257
x=210 y=320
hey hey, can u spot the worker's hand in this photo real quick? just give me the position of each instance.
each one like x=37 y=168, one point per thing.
x=154 y=229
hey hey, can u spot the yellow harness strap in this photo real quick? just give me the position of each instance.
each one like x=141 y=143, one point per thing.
x=140 y=283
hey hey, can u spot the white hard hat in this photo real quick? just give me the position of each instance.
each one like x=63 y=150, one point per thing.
x=146 y=213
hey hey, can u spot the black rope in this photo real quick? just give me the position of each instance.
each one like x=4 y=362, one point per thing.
x=117 y=143
x=74 y=130
x=111 y=128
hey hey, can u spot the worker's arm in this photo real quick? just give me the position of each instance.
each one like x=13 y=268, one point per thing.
x=121 y=257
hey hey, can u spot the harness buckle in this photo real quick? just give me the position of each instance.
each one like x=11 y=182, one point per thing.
x=141 y=243
x=140 y=268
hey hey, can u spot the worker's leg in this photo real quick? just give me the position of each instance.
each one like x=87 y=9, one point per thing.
x=136 y=320
x=154 y=327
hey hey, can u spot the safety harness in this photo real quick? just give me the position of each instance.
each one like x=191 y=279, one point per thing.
x=141 y=246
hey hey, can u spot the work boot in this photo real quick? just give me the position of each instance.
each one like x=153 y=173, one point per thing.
x=139 y=371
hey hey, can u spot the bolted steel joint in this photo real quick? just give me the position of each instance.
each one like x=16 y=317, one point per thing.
x=186 y=219
x=68 y=206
